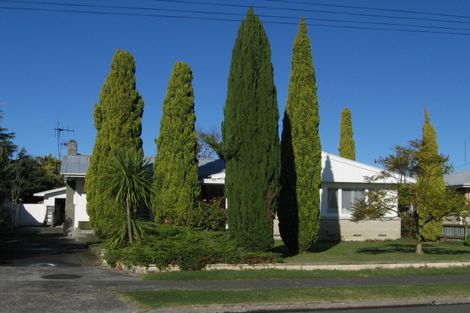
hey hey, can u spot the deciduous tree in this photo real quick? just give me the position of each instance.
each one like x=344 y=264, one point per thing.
x=423 y=204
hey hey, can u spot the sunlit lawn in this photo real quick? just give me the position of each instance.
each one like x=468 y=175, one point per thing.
x=402 y=250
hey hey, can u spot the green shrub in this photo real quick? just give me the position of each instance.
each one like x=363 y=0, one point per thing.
x=119 y=237
x=209 y=215
x=466 y=242
x=191 y=250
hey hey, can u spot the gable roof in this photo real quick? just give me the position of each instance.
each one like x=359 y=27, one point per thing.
x=334 y=169
x=46 y=193
x=339 y=169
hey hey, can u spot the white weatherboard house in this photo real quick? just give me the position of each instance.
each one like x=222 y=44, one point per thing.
x=343 y=181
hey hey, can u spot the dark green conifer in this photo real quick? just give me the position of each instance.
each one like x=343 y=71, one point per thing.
x=299 y=204
x=430 y=180
x=251 y=139
x=118 y=123
x=176 y=186
x=347 y=147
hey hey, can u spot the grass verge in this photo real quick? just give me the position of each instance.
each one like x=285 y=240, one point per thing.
x=166 y=298
x=294 y=274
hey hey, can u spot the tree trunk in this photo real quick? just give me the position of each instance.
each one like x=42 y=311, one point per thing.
x=419 y=239
x=129 y=223
x=419 y=245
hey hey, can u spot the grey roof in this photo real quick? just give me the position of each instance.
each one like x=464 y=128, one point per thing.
x=74 y=165
x=458 y=179
x=208 y=167
x=77 y=165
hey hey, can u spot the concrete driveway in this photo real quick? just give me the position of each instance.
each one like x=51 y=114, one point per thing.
x=43 y=271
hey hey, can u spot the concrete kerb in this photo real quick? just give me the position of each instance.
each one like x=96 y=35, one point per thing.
x=137 y=269
x=311 y=307
x=299 y=267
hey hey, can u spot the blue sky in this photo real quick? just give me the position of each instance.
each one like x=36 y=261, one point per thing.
x=52 y=66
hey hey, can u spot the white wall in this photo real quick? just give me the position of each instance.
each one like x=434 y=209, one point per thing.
x=32 y=214
x=79 y=199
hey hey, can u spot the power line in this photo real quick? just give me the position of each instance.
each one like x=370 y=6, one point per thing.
x=371 y=8
x=232 y=14
x=309 y=10
x=226 y=20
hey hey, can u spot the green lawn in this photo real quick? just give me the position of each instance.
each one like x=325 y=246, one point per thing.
x=378 y=252
x=287 y=274
x=167 y=298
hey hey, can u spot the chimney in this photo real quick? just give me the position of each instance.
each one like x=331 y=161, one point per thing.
x=72 y=147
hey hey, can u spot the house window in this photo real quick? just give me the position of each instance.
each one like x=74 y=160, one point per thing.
x=349 y=197
x=332 y=200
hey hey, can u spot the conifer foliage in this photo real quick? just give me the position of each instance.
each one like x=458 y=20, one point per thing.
x=176 y=187
x=430 y=179
x=299 y=206
x=347 y=147
x=118 y=123
x=250 y=138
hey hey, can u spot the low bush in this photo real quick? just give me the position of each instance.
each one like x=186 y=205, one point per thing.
x=191 y=250
x=209 y=215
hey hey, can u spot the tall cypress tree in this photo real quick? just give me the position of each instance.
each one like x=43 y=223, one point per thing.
x=118 y=123
x=430 y=179
x=299 y=204
x=251 y=139
x=347 y=147
x=176 y=186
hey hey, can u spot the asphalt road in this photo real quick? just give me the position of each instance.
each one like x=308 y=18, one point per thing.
x=43 y=271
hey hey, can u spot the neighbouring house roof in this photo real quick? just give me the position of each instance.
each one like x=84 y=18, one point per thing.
x=77 y=166
x=460 y=179
x=47 y=193
x=74 y=165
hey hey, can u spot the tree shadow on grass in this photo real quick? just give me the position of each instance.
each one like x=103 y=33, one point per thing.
x=411 y=248
x=322 y=246
x=282 y=249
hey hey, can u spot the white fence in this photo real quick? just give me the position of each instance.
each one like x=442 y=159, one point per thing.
x=27 y=214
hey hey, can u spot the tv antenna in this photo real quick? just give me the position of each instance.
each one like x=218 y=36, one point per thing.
x=60 y=130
